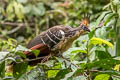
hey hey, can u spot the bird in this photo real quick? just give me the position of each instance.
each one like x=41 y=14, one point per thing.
x=54 y=41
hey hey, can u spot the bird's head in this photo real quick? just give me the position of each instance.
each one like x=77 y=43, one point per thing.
x=82 y=29
x=84 y=26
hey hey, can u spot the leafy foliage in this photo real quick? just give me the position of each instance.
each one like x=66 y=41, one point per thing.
x=93 y=56
x=102 y=77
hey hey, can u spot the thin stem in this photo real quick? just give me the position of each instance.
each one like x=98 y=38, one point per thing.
x=36 y=27
x=14 y=24
x=71 y=62
x=88 y=60
x=15 y=29
x=29 y=60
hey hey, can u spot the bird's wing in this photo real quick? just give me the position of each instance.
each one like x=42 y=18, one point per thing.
x=47 y=39
x=42 y=47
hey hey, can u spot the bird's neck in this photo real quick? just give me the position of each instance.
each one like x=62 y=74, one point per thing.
x=77 y=29
x=74 y=31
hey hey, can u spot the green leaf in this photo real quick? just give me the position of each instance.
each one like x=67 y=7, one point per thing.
x=21 y=48
x=12 y=41
x=68 y=75
x=36 y=52
x=107 y=6
x=101 y=32
x=53 y=73
x=38 y=10
x=116 y=2
x=78 y=51
x=21 y=54
x=112 y=15
x=100 y=41
x=118 y=43
x=79 y=71
x=117 y=67
x=10 y=11
x=41 y=8
x=75 y=53
x=28 y=8
x=37 y=73
x=101 y=17
x=115 y=78
x=102 y=77
x=20 y=14
x=19 y=10
x=79 y=78
x=19 y=69
x=2 y=69
x=22 y=1
x=61 y=74
x=3 y=55
x=110 y=72
x=91 y=34
x=103 y=63
x=102 y=54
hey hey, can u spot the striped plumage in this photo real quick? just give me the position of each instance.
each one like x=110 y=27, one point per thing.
x=49 y=42
x=54 y=35
x=51 y=37
x=53 y=40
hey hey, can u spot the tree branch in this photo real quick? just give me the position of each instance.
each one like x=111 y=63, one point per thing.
x=15 y=23
x=15 y=29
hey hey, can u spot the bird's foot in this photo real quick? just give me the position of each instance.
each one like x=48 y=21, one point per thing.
x=46 y=58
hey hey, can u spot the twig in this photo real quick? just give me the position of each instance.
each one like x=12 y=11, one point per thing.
x=15 y=23
x=28 y=60
x=59 y=11
x=19 y=25
x=88 y=61
x=87 y=75
x=71 y=62
x=53 y=69
x=15 y=29
x=101 y=72
x=116 y=76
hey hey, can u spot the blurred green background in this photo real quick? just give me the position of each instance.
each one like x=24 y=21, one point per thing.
x=97 y=53
x=24 y=19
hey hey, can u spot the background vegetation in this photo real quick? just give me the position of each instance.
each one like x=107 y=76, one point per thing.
x=94 y=56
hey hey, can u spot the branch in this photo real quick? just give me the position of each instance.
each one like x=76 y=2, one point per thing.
x=15 y=29
x=19 y=25
x=71 y=62
x=29 y=60
x=103 y=72
x=16 y=23
x=53 y=69
x=116 y=76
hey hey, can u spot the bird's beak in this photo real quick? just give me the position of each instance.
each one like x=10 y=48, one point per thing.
x=87 y=29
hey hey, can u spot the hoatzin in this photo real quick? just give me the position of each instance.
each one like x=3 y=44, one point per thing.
x=55 y=41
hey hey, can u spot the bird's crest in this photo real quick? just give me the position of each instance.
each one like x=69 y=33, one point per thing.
x=85 y=20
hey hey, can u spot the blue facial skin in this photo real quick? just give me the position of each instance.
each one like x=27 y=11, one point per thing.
x=85 y=28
